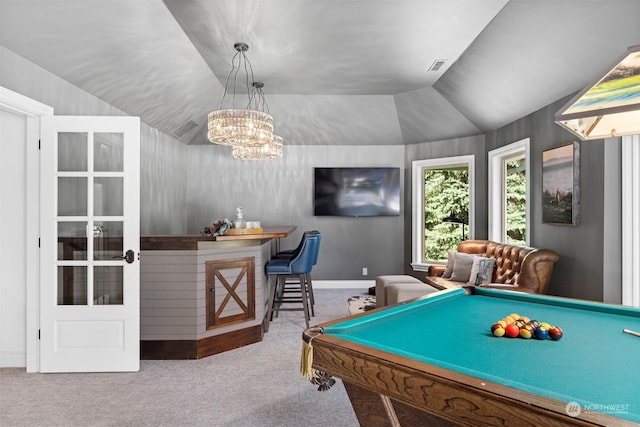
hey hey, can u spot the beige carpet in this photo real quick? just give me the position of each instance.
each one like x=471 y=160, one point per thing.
x=256 y=385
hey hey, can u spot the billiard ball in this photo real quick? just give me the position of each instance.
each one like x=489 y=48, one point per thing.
x=525 y=332
x=534 y=323
x=502 y=323
x=555 y=333
x=545 y=325
x=525 y=319
x=542 y=333
x=519 y=323
x=512 y=331
x=497 y=330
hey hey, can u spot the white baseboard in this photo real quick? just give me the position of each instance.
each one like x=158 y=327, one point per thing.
x=13 y=359
x=343 y=284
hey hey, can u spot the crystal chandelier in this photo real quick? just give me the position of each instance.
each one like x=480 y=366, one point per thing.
x=236 y=126
x=268 y=149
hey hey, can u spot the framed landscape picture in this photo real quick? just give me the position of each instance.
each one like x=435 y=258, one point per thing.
x=560 y=184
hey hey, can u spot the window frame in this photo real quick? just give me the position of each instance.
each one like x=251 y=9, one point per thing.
x=417 y=199
x=496 y=191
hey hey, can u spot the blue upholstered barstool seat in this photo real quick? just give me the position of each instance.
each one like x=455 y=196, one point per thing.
x=291 y=272
x=288 y=254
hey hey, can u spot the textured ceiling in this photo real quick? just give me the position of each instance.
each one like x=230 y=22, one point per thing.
x=335 y=71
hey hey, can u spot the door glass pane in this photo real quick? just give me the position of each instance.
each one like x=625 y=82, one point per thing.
x=72 y=196
x=107 y=196
x=72 y=151
x=107 y=285
x=108 y=152
x=107 y=240
x=72 y=285
x=72 y=240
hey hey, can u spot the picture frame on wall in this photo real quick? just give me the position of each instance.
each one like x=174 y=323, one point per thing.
x=561 y=184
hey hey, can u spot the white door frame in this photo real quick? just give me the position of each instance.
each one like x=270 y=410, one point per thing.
x=32 y=111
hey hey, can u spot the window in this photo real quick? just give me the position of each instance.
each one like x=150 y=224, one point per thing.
x=509 y=184
x=441 y=188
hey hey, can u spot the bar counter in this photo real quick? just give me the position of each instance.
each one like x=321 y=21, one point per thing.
x=202 y=295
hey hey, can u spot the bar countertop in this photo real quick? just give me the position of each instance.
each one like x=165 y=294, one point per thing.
x=190 y=242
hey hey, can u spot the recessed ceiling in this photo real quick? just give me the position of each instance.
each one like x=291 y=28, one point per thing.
x=335 y=71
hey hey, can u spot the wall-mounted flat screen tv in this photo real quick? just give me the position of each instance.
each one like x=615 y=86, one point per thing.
x=373 y=191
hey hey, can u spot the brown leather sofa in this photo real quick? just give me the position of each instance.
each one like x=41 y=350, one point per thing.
x=517 y=268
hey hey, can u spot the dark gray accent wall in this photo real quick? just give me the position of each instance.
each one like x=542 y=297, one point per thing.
x=579 y=273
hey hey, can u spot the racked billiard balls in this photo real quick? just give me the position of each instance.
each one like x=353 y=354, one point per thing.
x=555 y=333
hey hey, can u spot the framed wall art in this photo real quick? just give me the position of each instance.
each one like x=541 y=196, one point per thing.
x=561 y=185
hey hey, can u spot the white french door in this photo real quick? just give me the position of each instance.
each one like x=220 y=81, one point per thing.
x=90 y=242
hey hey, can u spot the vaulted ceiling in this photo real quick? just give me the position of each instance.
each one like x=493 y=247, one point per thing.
x=347 y=72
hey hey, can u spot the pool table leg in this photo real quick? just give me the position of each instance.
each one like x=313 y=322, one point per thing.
x=376 y=410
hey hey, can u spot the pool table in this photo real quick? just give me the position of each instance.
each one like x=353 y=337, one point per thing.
x=434 y=361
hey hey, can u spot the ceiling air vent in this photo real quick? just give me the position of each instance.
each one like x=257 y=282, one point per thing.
x=182 y=130
x=437 y=64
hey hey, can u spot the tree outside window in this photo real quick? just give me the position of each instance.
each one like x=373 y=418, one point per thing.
x=516 y=202
x=446 y=192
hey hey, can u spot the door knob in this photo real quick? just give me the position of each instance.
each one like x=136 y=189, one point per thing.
x=128 y=256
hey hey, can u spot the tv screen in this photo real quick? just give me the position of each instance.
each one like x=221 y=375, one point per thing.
x=356 y=191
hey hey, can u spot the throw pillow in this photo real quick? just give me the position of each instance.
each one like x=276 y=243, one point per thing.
x=481 y=270
x=462 y=267
x=451 y=259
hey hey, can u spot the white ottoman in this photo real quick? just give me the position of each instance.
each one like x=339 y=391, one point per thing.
x=382 y=282
x=398 y=292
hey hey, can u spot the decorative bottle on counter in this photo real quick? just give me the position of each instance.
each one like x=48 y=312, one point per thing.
x=240 y=222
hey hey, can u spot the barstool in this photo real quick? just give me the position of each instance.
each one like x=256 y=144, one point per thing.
x=288 y=254
x=295 y=269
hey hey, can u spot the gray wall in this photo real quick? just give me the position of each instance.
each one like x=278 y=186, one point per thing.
x=280 y=192
x=580 y=271
x=162 y=177
x=184 y=187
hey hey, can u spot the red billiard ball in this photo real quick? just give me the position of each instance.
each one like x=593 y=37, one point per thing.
x=555 y=333
x=512 y=331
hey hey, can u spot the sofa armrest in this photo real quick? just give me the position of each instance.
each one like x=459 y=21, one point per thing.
x=436 y=270
x=536 y=270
